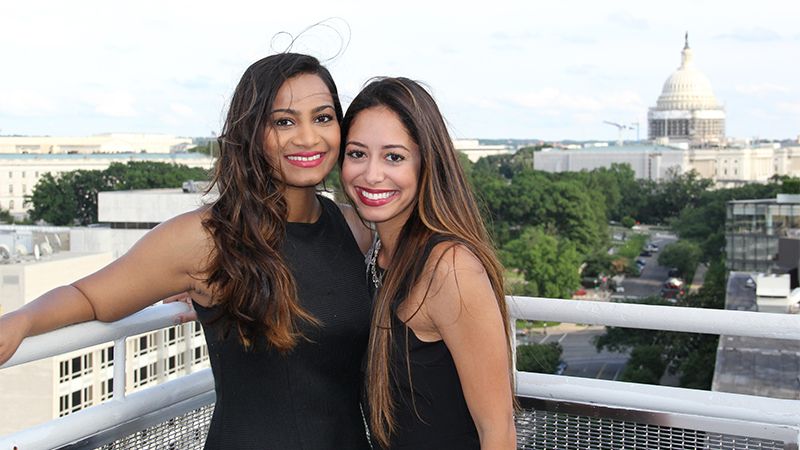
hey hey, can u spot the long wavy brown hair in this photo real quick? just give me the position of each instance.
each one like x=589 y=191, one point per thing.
x=252 y=284
x=445 y=206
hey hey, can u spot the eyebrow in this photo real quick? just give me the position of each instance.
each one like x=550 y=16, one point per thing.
x=294 y=112
x=385 y=147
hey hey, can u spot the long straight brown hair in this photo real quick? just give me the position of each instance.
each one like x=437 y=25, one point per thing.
x=252 y=283
x=445 y=206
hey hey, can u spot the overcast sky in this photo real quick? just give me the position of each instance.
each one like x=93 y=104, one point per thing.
x=499 y=69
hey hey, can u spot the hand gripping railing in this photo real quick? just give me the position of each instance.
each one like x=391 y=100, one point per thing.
x=194 y=389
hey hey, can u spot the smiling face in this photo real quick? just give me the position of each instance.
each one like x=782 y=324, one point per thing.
x=381 y=168
x=302 y=134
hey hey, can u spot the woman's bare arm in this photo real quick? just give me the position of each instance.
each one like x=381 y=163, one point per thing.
x=164 y=262
x=463 y=310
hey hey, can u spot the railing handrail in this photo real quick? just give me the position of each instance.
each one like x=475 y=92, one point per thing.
x=90 y=421
x=88 y=334
x=653 y=317
x=658 y=317
x=647 y=397
x=634 y=396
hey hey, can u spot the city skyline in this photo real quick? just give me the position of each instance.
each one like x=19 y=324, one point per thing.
x=514 y=70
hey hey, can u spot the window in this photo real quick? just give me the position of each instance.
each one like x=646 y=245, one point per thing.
x=75 y=401
x=23 y=174
x=10 y=174
x=24 y=188
x=173 y=334
x=145 y=374
x=173 y=364
x=10 y=205
x=10 y=188
x=107 y=357
x=200 y=354
x=74 y=367
x=144 y=344
x=106 y=389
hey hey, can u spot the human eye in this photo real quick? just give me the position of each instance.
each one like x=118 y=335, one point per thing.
x=283 y=122
x=355 y=154
x=395 y=157
x=325 y=118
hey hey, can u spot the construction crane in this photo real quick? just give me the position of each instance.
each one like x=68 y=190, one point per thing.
x=620 y=128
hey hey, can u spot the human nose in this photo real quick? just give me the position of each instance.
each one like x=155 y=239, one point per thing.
x=306 y=135
x=374 y=171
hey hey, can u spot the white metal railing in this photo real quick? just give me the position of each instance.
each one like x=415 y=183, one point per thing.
x=725 y=406
x=680 y=401
x=122 y=408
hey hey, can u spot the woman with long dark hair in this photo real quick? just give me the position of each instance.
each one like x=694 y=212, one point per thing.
x=438 y=366
x=274 y=269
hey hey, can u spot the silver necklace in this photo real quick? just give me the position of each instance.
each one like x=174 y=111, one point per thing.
x=377 y=279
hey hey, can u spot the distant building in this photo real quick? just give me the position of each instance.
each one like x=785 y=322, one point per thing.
x=754 y=366
x=43 y=390
x=19 y=173
x=649 y=162
x=726 y=166
x=99 y=143
x=687 y=110
x=753 y=229
x=475 y=150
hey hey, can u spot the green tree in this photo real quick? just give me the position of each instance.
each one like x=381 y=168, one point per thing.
x=71 y=197
x=539 y=358
x=683 y=255
x=548 y=263
x=646 y=365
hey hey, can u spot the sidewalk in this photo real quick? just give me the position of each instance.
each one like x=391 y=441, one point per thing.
x=563 y=328
x=699 y=278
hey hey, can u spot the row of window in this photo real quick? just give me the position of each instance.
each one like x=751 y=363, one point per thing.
x=11 y=188
x=84 y=365
x=22 y=173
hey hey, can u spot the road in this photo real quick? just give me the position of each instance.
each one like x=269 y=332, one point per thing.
x=652 y=276
x=581 y=355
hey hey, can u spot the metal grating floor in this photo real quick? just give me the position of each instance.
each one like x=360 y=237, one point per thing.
x=536 y=430
x=543 y=430
x=183 y=432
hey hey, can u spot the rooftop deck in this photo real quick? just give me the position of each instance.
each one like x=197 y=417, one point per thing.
x=559 y=412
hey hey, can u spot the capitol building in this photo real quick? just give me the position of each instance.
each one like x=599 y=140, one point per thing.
x=687 y=110
x=686 y=131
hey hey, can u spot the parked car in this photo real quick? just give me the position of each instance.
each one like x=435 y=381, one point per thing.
x=562 y=366
x=645 y=253
x=641 y=262
x=674 y=272
x=651 y=248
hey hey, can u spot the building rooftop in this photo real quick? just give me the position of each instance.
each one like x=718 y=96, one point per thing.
x=755 y=366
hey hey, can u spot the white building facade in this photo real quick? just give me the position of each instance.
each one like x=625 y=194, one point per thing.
x=99 y=143
x=19 y=173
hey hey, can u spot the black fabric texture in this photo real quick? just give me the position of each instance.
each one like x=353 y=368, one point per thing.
x=309 y=398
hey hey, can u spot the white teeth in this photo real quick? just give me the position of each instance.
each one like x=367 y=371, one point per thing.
x=305 y=158
x=377 y=196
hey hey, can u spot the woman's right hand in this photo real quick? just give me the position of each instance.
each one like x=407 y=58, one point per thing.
x=13 y=329
x=184 y=297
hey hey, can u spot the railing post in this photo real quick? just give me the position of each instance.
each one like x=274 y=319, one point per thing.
x=120 y=357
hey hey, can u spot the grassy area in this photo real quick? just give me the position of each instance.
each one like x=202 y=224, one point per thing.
x=535 y=324
x=633 y=246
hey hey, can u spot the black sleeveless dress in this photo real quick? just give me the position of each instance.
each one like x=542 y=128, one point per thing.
x=431 y=411
x=308 y=399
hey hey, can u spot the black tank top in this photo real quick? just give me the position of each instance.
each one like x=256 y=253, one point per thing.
x=441 y=420
x=308 y=399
